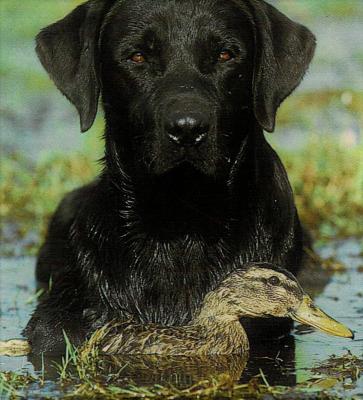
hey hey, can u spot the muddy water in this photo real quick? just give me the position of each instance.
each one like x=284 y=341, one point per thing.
x=284 y=362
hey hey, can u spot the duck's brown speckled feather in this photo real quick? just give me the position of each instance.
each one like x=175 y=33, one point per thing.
x=129 y=338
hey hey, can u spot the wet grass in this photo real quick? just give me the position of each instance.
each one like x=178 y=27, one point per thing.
x=12 y=382
x=346 y=368
x=80 y=377
x=327 y=178
x=30 y=192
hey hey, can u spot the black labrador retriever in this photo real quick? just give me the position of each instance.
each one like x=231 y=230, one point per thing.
x=190 y=189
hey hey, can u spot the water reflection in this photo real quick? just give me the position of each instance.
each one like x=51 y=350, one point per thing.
x=180 y=372
x=276 y=359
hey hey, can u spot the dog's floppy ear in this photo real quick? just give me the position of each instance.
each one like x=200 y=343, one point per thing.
x=283 y=51
x=67 y=50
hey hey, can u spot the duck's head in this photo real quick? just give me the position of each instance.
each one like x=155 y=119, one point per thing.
x=264 y=290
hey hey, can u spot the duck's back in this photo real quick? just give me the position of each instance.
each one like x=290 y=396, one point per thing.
x=189 y=340
x=126 y=338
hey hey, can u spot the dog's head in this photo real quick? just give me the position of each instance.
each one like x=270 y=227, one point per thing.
x=180 y=80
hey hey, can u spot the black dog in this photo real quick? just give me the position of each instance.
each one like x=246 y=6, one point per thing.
x=190 y=188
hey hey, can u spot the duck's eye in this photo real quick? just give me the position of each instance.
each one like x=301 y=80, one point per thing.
x=273 y=280
x=225 y=55
x=138 y=57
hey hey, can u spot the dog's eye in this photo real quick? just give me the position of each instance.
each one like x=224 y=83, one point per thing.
x=138 y=57
x=225 y=55
x=273 y=280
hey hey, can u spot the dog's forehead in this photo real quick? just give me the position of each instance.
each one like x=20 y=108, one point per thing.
x=188 y=16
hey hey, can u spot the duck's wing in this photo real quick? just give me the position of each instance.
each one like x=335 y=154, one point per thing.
x=152 y=339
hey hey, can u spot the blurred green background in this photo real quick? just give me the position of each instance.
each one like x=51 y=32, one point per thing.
x=318 y=134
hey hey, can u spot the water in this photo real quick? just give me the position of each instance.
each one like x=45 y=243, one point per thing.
x=285 y=362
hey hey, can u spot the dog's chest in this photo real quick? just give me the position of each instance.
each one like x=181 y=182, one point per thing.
x=166 y=281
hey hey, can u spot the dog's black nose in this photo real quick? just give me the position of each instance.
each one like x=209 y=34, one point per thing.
x=189 y=129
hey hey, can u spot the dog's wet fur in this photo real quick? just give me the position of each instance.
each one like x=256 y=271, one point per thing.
x=190 y=188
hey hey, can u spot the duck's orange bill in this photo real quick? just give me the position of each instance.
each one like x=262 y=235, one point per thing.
x=309 y=314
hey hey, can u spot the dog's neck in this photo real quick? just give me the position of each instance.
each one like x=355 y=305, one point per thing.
x=184 y=201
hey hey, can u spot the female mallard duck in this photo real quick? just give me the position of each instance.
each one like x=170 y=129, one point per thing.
x=258 y=290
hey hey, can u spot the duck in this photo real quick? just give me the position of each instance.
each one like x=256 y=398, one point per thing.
x=258 y=290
